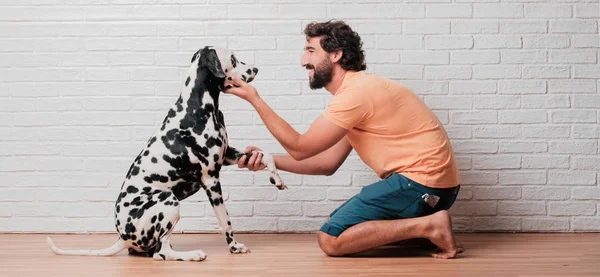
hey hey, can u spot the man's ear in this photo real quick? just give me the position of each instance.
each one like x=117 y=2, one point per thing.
x=210 y=60
x=336 y=56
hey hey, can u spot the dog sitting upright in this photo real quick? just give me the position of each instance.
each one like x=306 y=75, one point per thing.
x=182 y=157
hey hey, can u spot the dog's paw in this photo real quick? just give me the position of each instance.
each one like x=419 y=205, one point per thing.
x=239 y=248
x=276 y=180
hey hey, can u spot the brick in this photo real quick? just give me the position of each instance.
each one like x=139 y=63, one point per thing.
x=522 y=116
x=474 y=208
x=403 y=72
x=475 y=26
x=133 y=30
x=277 y=209
x=448 y=10
x=585 y=223
x=586 y=193
x=472 y=87
x=300 y=225
x=586 y=131
x=523 y=27
x=497 y=162
x=496 y=72
x=320 y=209
x=303 y=11
x=574 y=147
x=586 y=41
x=586 y=71
x=400 y=42
x=521 y=208
x=539 y=162
x=425 y=57
x=545 y=224
x=497 y=102
x=546 y=41
x=530 y=72
x=523 y=147
x=449 y=102
x=476 y=57
x=573 y=177
x=337 y=179
x=392 y=57
x=545 y=193
x=522 y=87
x=522 y=177
x=107 y=74
x=399 y=11
x=427 y=87
x=497 y=193
x=448 y=72
x=459 y=132
x=492 y=131
x=587 y=10
x=498 y=10
x=579 y=56
x=278 y=28
x=302 y=194
x=131 y=59
x=573 y=116
x=475 y=117
x=37 y=119
x=523 y=56
x=132 y=12
x=547 y=101
x=547 y=11
x=468 y=147
x=417 y=27
x=495 y=223
x=573 y=26
x=248 y=194
x=590 y=163
x=448 y=42
x=572 y=208
x=204 y=12
x=342 y=193
x=586 y=101
x=546 y=132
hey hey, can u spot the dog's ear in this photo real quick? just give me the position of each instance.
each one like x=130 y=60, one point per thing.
x=210 y=60
x=195 y=56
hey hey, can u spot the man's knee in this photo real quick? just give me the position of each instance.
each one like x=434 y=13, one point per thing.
x=328 y=244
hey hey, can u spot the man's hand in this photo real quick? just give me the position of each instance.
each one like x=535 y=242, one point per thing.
x=241 y=89
x=255 y=161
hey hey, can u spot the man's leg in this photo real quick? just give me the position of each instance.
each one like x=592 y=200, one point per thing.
x=371 y=234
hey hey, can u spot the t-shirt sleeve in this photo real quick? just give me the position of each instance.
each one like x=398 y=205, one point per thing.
x=347 y=109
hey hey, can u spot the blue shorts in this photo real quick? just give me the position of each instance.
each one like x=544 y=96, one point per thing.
x=393 y=198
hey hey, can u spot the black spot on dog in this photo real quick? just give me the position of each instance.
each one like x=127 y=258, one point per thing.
x=154 y=160
x=162 y=256
x=156 y=177
x=132 y=189
x=272 y=180
x=161 y=216
x=229 y=223
x=187 y=81
x=129 y=228
x=169 y=226
x=152 y=140
x=118 y=223
x=137 y=201
x=153 y=220
x=164 y=195
x=147 y=189
x=158 y=246
x=249 y=71
x=126 y=204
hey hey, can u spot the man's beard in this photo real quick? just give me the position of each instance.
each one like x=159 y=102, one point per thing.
x=322 y=74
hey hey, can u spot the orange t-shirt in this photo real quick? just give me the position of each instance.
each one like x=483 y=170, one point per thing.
x=392 y=130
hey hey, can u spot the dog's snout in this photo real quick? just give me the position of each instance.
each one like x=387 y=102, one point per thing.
x=255 y=70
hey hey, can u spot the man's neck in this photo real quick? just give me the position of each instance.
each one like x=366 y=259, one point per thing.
x=336 y=81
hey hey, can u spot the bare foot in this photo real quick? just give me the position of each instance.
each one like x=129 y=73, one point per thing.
x=442 y=236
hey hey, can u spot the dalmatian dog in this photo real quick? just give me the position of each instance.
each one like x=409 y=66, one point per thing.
x=185 y=155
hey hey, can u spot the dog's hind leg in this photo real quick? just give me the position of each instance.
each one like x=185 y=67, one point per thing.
x=164 y=252
x=215 y=196
x=232 y=156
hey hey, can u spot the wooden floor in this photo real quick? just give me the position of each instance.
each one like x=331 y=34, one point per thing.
x=299 y=255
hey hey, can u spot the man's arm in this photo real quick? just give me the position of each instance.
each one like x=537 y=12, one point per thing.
x=321 y=135
x=324 y=163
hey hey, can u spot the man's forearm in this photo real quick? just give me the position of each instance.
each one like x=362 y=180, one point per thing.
x=279 y=128
x=310 y=166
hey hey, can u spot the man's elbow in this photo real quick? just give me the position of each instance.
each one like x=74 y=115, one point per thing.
x=299 y=156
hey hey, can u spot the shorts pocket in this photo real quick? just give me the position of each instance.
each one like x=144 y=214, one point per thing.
x=415 y=205
x=379 y=193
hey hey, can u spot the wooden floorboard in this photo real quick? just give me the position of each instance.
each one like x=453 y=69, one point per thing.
x=299 y=255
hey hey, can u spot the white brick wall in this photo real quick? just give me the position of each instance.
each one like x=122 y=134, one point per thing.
x=83 y=84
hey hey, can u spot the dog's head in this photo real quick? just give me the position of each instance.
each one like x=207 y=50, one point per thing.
x=222 y=64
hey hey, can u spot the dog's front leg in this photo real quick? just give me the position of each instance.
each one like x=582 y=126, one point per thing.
x=215 y=196
x=232 y=156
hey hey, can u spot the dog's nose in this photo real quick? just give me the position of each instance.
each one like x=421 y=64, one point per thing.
x=255 y=70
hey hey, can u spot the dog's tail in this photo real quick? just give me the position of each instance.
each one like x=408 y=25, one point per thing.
x=113 y=250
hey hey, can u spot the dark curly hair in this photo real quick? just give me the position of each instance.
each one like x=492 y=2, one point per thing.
x=337 y=35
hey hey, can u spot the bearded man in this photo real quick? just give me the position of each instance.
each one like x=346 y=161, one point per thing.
x=392 y=131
